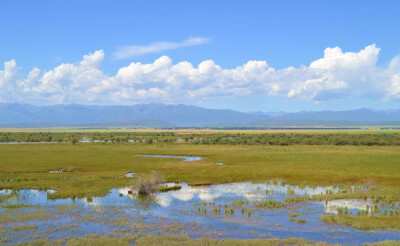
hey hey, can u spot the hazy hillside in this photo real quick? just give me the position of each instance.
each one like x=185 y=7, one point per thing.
x=349 y=115
x=177 y=115
x=122 y=124
x=276 y=123
x=169 y=116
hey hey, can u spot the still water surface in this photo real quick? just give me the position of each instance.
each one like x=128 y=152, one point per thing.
x=199 y=212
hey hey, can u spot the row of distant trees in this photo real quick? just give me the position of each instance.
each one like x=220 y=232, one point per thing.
x=368 y=139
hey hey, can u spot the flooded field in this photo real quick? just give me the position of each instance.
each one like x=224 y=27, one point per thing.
x=239 y=210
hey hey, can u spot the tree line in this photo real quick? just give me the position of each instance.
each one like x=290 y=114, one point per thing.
x=283 y=139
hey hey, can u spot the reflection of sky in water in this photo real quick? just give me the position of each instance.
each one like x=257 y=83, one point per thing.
x=186 y=158
x=237 y=191
x=5 y=192
x=352 y=204
x=180 y=206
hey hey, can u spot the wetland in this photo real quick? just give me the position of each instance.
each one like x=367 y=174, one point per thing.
x=312 y=194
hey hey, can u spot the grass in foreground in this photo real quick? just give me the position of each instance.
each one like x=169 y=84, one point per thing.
x=151 y=240
x=183 y=240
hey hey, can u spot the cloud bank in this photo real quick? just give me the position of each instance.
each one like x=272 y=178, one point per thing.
x=337 y=74
x=125 y=52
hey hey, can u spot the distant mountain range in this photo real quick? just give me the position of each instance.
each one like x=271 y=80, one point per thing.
x=172 y=116
x=75 y=114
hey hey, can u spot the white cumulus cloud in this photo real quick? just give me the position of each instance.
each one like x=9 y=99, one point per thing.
x=337 y=74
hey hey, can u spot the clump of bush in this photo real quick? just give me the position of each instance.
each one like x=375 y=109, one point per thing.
x=148 y=183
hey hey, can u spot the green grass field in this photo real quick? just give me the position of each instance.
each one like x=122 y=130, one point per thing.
x=97 y=167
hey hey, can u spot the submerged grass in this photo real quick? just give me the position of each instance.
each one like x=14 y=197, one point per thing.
x=22 y=227
x=6 y=205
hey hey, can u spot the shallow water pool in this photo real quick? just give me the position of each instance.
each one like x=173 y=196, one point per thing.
x=218 y=211
x=185 y=158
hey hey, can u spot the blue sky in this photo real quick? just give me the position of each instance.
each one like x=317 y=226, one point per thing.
x=40 y=36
